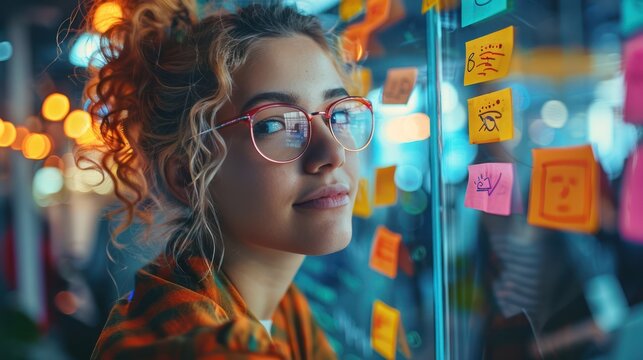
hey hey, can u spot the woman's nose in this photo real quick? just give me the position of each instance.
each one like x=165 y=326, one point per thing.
x=324 y=152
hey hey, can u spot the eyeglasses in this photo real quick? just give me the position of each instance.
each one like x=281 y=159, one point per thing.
x=281 y=132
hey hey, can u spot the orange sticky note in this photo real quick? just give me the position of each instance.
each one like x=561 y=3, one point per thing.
x=489 y=57
x=362 y=206
x=427 y=5
x=355 y=41
x=349 y=9
x=385 y=324
x=377 y=13
x=399 y=85
x=491 y=117
x=362 y=81
x=385 y=252
x=385 y=190
x=564 y=189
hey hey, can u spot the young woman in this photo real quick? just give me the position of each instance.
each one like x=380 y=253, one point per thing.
x=239 y=128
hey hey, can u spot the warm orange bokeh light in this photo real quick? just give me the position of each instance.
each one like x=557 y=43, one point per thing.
x=89 y=137
x=8 y=135
x=1 y=127
x=55 y=162
x=36 y=146
x=55 y=107
x=77 y=123
x=21 y=134
x=106 y=15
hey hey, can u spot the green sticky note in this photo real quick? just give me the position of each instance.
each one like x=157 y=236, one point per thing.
x=631 y=16
x=478 y=10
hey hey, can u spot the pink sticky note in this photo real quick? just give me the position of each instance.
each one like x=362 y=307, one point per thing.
x=489 y=188
x=631 y=214
x=633 y=108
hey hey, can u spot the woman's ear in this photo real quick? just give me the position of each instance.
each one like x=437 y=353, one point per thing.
x=177 y=179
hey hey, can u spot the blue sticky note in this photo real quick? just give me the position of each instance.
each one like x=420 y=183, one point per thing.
x=631 y=16
x=477 y=10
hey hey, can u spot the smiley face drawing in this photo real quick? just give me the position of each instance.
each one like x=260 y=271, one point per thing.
x=564 y=189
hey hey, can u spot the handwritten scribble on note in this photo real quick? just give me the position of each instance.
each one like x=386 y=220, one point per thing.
x=474 y=11
x=491 y=117
x=489 y=56
x=490 y=188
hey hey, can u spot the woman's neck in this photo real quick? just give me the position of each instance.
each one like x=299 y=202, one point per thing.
x=261 y=275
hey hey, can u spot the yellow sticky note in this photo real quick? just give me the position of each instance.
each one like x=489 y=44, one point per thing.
x=427 y=5
x=362 y=206
x=564 y=189
x=349 y=9
x=385 y=252
x=385 y=323
x=385 y=190
x=489 y=57
x=491 y=117
x=362 y=81
x=399 y=85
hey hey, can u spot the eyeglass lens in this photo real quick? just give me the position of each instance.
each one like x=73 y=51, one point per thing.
x=281 y=133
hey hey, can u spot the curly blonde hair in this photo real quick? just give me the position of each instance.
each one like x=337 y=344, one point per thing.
x=165 y=76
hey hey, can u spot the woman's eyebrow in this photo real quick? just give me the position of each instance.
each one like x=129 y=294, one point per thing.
x=270 y=97
x=335 y=93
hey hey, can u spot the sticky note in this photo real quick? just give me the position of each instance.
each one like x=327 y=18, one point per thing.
x=385 y=324
x=399 y=85
x=488 y=57
x=362 y=206
x=631 y=213
x=564 y=189
x=478 y=10
x=385 y=252
x=408 y=128
x=377 y=13
x=632 y=54
x=349 y=9
x=354 y=41
x=427 y=5
x=361 y=81
x=631 y=16
x=491 y=117
x=385 y=190
x=490 y=188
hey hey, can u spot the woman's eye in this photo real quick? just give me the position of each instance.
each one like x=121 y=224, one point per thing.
x=340 y=117
x=268 y=126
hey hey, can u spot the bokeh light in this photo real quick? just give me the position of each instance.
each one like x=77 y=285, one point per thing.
x=408 y=178
x=6 y=50
x=86 y=51
x=55 y=107
x=48 y=181
x=36 y=146
x=8 y=135
x=540 y=133
x=21 y=134
x=450 y=97
x=106 y=15
x=409 y=128
x=77 y=123
x=554 y=113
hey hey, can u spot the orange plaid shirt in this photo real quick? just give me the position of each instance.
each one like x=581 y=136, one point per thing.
x=183 y=315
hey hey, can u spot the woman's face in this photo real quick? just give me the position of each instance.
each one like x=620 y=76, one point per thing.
x=259 y=202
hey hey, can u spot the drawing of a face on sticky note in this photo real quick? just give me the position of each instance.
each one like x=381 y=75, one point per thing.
x=564 y=189
x=489 y=57
x=491 y=117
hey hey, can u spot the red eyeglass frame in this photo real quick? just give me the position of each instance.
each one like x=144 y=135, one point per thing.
x=248 y=116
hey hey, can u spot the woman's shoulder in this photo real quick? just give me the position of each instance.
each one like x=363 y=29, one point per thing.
x=174 y=312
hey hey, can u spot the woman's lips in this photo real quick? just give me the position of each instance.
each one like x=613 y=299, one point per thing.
x=326 y=202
